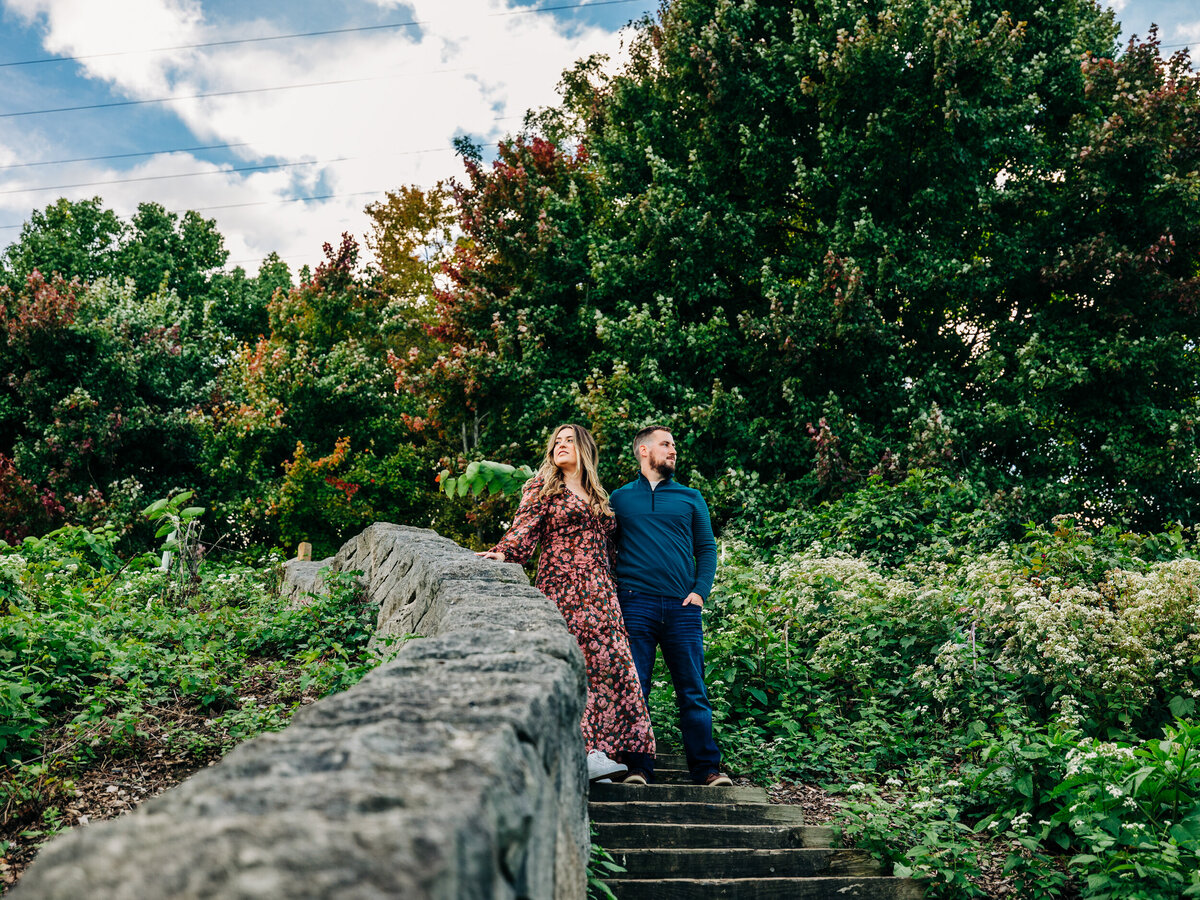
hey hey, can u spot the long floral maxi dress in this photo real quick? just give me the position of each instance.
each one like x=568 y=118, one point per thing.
x=575 y=572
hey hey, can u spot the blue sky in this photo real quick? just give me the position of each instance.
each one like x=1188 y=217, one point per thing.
x=378 y=107
x=1178 y=21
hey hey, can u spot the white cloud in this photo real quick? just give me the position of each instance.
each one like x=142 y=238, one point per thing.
x=475 y=68
x=113 y=29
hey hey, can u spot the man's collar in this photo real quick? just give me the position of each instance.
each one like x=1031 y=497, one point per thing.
x=642 y=477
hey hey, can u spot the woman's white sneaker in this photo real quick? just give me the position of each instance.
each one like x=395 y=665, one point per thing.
x=600 y=766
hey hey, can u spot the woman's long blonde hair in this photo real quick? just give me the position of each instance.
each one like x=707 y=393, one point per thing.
x=585 y=448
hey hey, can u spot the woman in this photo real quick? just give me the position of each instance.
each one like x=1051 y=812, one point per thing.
x=565 y=509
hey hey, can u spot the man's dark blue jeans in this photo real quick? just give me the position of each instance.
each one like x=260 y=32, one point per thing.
x=654 y=621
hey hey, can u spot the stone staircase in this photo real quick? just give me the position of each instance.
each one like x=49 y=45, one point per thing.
x=678 y=841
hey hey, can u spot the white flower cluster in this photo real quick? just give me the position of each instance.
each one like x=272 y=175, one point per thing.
x=817 y=593
x=140 y=584
x=1123 y=640
x=1091 y=756
x=12 y=568
x=1131 y=635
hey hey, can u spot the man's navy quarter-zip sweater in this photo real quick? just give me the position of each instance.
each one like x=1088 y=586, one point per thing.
x=665 y=541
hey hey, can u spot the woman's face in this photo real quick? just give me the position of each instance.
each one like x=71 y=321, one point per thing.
x=565 y=455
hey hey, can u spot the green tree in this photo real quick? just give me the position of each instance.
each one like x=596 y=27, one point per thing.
x=514 y=324
x=81 y=239
x=1091 y=365
x=101 y=386
x=103 y=363
x=77 y=239
x=803 y=234
x=237 y=304
x=161 y=248
x=319 y=382
x=411 y=236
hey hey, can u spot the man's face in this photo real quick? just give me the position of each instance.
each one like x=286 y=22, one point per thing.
x=661 y=456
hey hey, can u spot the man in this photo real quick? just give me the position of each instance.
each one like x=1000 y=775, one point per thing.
x=666 y=560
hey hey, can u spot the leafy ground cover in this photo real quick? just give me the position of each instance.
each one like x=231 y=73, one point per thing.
x=118 y=679
x=995 y=718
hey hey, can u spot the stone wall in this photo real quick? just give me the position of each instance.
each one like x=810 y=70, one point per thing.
x=456 y=770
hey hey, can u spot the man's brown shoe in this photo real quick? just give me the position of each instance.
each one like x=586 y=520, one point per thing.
x=634 y=776
x=716 y=779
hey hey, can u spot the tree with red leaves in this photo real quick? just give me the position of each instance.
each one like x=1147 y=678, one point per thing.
x=319 y=379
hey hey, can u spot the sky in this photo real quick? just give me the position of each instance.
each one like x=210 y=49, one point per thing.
x=282 y=121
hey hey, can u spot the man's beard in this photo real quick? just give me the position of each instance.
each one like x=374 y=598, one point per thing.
x=662 y=467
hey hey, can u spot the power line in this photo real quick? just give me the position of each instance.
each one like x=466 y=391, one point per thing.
x=288 y=200
x=300 y=199
x=284 y=200
x=265 y=167
x=297 y=35
x=232 y=169
x=259 y=203
x=391 y=26
x=198 y=46
x=282 y=87
x=60 y=162
x=78 y=159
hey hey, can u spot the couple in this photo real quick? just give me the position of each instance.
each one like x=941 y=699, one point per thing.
x=665 y=560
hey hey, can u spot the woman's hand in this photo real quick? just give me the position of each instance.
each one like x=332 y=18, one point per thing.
x=491 y=554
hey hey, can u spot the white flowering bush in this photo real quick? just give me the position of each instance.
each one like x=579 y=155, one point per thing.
x=12 y=569
x=1133 y=813
x=1004 y=673
x=1111 y=652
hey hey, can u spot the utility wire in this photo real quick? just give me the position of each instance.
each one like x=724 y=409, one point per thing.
x=280 y=201
x=277 y=202
x=232 y=169
x=297 y=35
x=205 y=44
x=262 y=202
x=282 y=87
x=78 y=159
x=288 y=200
x=265 y=167
x=60 y=162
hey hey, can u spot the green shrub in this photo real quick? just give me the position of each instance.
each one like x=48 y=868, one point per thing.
x=926 y=513
x=977 y=706
x=97 y=655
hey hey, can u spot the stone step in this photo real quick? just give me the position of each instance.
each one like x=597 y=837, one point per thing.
x=638 y=835
x=833 y=888
x=675 y=793
x=697 y=813
x=743 y=863
x=672 y=776
x=670 y=761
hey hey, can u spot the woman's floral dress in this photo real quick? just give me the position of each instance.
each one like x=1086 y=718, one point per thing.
x=575 y=571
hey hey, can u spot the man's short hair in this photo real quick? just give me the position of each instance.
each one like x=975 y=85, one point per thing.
x=643 y=436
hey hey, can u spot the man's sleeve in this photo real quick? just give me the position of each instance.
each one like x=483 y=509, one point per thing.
x=705 y=548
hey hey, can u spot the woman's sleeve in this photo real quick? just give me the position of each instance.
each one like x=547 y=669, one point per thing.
x=523 y=535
